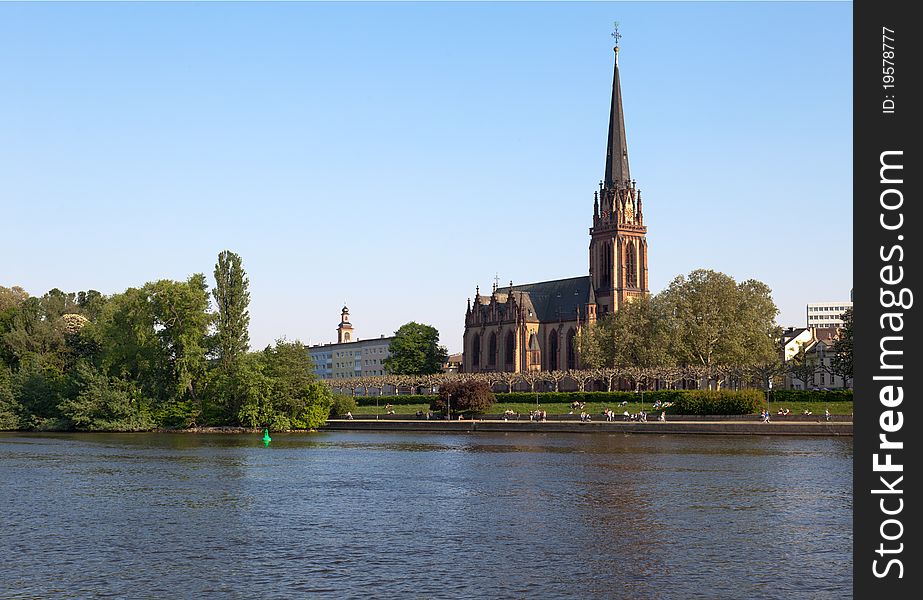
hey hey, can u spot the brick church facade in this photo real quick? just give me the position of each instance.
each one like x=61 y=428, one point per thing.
x=534 y=327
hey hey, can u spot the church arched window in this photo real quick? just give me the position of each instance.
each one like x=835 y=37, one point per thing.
x=492 y=350
x=509 y=350
x=476 y=351
x=553 y=351
x=535 y=355
x=571 y=349
x=605 y=263
x=631 y=264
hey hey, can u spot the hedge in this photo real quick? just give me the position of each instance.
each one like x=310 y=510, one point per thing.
x=596 y=397
x=719 y=402
x=395 y=400
x=811 y=396
x=689 y=402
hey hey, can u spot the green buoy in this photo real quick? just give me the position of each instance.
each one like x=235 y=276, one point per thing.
x=266 y=438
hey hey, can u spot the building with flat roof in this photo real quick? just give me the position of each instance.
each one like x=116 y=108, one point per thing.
x=350 y=356
x=826 y=314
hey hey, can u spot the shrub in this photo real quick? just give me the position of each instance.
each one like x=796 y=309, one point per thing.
x=718 y=402
x=466 y=396
x=340 y=405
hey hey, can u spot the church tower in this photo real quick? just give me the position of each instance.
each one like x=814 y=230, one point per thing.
x=345 y=328
x=618 y=237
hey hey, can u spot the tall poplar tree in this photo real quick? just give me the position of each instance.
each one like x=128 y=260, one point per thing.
x=232 y=297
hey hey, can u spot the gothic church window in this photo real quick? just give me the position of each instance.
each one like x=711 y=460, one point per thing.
x=631 y=265
x=553 y=351
x=510 y=349
x=571 y=349
x=534 y=353
x=492 y=350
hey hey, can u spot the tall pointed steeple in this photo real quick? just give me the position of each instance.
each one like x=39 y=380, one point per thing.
x=617 y=174
x=618 y=243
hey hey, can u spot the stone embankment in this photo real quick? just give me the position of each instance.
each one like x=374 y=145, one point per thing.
x=718 y=425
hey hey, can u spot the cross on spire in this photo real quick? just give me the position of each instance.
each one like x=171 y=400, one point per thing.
x=617 y=173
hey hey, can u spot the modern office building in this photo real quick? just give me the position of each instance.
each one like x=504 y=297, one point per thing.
x=826 y=314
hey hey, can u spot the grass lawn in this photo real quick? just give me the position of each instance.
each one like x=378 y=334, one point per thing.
x=596 y=408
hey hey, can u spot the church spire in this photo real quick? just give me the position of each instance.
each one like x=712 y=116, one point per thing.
x=617 y=149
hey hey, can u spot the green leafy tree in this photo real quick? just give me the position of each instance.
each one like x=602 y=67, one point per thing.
x=232 y=297
x=716 y=322
x=289 y=366
x=181 y=318
x=104 y=404
x=315 y=401
x=252 y=389
x=842 y=362
x=38 y=386
x=471 y=396
x=635 y=339
x=11 y=411
x=415 y=350
x=35 y=330
x=130 y=347
x=155 y=336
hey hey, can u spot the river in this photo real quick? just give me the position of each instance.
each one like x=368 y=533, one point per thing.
x=421 y=515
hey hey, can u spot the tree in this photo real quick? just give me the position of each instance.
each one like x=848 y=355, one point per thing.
x=314 y=401
x=128 y=338
x=415 y=350
x=289 y=366
x=11 y=411
x=464 y=396
x=232 y=298
x=802 y=367
x=181 y=320
x=252 y=391
x=715 y=321
x=154 y=336
x=842 y=363
x=104 y=404
x=634 y=339
x=38 y=387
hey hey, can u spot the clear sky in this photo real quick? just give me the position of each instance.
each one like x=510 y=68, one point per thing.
x=396 y=155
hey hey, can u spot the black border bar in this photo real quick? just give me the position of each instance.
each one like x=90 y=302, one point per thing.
x=886 y=272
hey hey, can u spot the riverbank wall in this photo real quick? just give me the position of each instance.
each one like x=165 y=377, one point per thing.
x=736 y=427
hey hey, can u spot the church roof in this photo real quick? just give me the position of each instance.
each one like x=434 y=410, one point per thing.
x=617 y=148
x=554 y=300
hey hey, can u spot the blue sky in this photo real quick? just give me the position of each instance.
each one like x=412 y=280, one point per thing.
x=397 y=155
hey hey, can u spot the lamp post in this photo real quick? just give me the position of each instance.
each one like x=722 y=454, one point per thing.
x=448 y=407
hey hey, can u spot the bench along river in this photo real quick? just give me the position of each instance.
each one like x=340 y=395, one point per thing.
x=425 y=515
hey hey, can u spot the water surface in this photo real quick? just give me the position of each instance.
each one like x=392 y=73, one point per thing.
x=417 y=515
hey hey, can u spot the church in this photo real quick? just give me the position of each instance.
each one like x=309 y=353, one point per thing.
x=533 y=327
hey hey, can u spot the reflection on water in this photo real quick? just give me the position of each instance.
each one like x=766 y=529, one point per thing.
x=425 y=515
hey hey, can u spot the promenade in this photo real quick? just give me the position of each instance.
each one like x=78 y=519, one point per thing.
x=732 y=425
